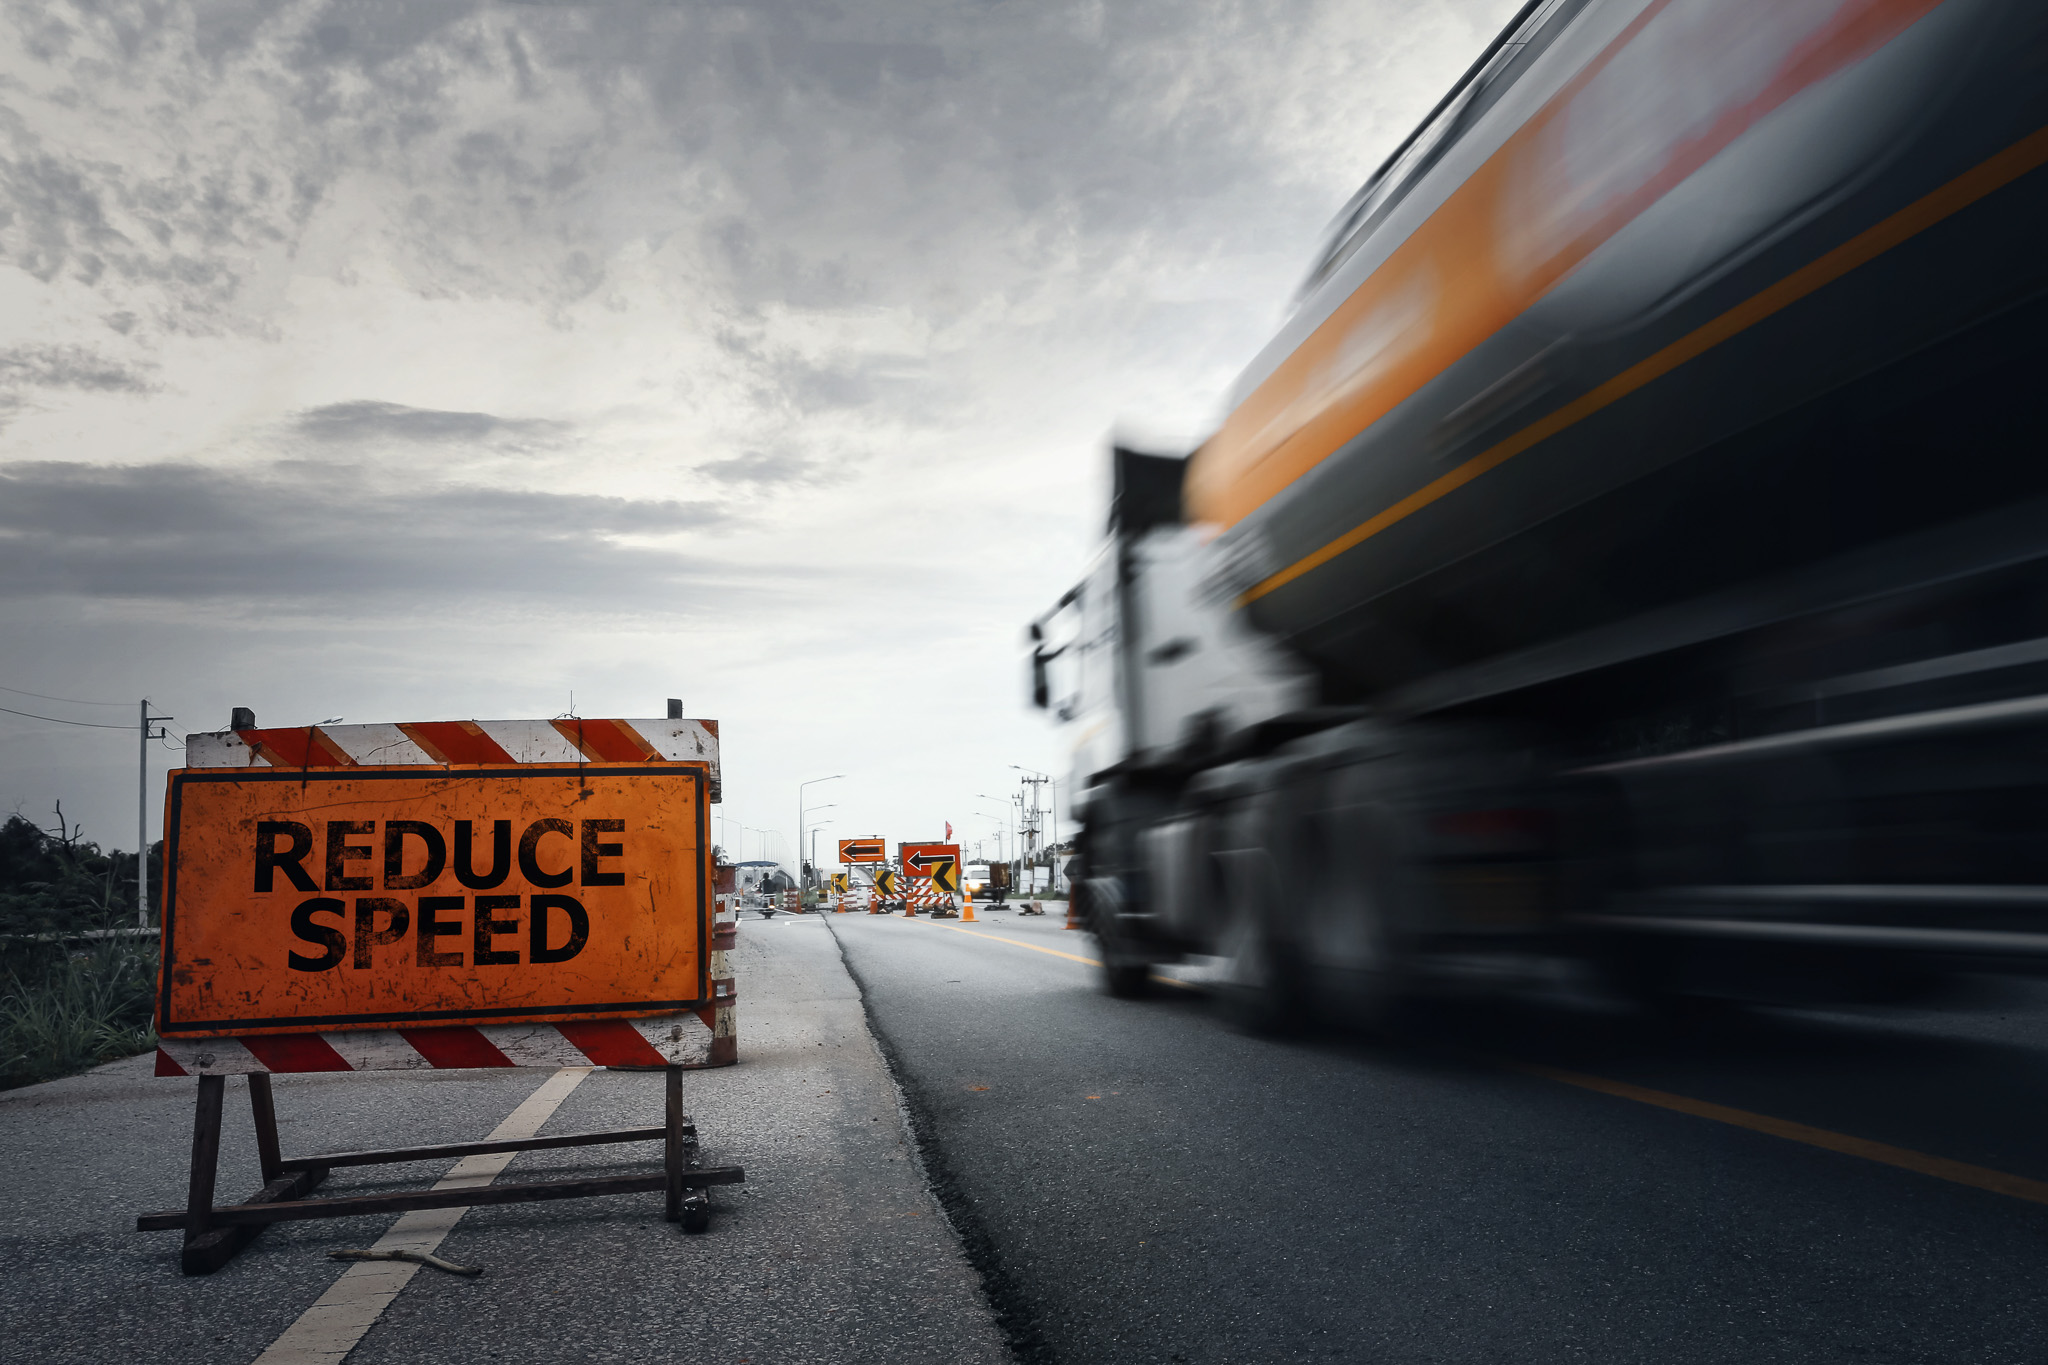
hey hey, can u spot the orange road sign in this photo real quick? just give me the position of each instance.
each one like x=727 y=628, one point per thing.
x=355 y=898
x=920 y=860
x=863 y=850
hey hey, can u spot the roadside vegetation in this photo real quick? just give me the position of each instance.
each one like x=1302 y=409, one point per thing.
x=75 y=988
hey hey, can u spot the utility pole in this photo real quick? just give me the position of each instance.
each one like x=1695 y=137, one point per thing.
x=142 y=816
x=1034 y=819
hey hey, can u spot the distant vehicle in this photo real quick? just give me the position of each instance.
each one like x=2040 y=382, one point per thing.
x=987 y=882
x=1633 y=549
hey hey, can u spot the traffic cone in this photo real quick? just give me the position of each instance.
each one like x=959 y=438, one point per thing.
x=967 y=910
x=1073 y=920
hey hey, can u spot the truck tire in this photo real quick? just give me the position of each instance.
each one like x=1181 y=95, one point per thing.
x=1126 y=973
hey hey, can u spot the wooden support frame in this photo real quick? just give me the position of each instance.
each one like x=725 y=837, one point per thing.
x=214 y=1233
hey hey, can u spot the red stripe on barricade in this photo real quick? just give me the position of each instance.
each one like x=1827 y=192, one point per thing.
x=293 y=1052
x=450 y=1048
x=167 y=1065
x=302 y=746
x=456 y=741
x=607 y=741
x=611 y=1042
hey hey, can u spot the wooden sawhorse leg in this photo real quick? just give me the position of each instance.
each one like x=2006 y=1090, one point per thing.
x=208 y=1248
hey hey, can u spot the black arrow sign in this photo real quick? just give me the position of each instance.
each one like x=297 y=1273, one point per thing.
x=946 y=876
x=857 y=850
x=922 y=861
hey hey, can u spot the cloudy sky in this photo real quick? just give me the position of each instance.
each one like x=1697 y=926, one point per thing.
x=411 y=359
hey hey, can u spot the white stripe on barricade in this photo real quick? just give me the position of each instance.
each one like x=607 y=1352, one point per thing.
x=466 y=742
x=685 y=1039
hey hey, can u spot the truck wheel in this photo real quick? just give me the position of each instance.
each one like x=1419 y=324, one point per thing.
x=1125 y=974
x=1127 y=980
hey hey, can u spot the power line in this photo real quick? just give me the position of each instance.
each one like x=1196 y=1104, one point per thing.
x=86 y=724
x=71 y=701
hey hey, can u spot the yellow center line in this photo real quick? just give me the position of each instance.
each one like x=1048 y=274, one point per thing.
x=1071 y=957
x=1941 y=1168
x=1018 y=942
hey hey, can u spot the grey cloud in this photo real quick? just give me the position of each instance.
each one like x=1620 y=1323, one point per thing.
x=870 y=147
x=763 y=468
x=855 y=71
x=187 y=237
x=366 y=419
x=69 y=367
x=310 y=533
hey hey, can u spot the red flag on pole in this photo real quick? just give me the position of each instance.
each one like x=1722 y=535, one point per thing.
x=949 y=831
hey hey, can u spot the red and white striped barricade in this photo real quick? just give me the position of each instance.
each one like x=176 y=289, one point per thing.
x=920 y=864
x=621 y=946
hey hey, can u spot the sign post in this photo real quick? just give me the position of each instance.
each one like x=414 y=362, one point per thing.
x=459 y=894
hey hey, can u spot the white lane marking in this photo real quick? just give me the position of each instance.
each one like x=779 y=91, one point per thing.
x=334 y=1324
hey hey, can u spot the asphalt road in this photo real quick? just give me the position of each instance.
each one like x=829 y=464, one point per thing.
x=1137 y=1182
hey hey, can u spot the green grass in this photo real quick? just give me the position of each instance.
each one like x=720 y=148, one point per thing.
x=63 y=1012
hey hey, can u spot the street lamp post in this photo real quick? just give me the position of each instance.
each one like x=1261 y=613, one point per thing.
x=814 y=843
x=798 y=851
x=812 y=830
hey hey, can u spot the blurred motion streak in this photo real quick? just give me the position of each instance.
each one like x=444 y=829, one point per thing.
x=1632 y=554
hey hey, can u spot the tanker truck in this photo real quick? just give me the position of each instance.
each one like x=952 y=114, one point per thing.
x=1631 y=554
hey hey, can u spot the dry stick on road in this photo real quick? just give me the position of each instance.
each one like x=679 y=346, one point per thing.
x=416 y=1257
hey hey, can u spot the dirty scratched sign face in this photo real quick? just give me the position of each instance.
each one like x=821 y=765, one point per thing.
x=300 y=900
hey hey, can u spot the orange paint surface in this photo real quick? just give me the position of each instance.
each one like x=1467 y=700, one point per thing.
x=385 y=898
x=1521 y=222
x=870 y=850
x=919 y=860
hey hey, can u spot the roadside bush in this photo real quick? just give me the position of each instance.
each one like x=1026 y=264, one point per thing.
x=72 y=1009
x=70 y=997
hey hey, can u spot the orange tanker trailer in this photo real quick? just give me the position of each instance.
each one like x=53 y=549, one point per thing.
x=1633 y=549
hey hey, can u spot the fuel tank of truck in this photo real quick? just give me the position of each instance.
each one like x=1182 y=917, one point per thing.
x=1665 y=296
